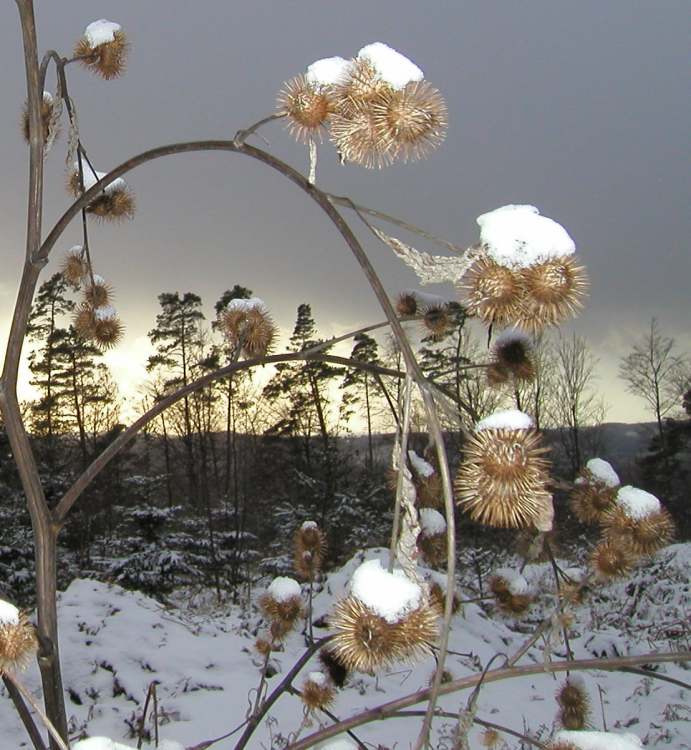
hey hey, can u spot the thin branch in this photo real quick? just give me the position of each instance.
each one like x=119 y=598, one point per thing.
x=386 y=710
x=24 y=714
x=39 y=712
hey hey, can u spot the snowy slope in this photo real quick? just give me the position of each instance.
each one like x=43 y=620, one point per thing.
x=114 y=643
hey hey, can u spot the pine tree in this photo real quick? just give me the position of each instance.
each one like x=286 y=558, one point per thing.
x=178 y=328
x=361 y=389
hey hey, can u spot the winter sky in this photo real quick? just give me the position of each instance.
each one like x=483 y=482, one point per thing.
x=581 y=109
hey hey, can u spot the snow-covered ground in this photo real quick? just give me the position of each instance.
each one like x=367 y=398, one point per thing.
x=115 y=643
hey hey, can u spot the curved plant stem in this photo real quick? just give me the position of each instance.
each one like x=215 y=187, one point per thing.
x=385 y=710
x=24 y=714
x=402 y=458
x=55 y=735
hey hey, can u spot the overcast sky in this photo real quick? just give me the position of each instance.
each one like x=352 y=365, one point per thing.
x=581 y=109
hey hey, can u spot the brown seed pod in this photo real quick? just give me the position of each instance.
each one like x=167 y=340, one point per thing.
x=437 y=321
x=248 y=322
x=106 y=59
x=84 y=322
x=645 y=535
x=317 y=691
x=97 y=293
x=554 y=291
x=512 y=352
x=494 y=292
x=309 y=550
x=74 y=266
x=49 y=121
x=429 y=491
x=501 y=480
x=108 y=331
x=511 y=592
x=437 y=599
x=359 y=90
x=262 y=646
x=367 y=642
x=357 y=140
x=574 y=704
x=307 y=108
x=17 y=639
x=412 y=121
x=490 y=738
x=613 y=558
x=282 y=604
x=115 y=205
x=590 y=501
x=406 y=304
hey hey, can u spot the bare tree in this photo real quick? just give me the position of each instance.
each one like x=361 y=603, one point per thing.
x=575 y=403
x=655 y=372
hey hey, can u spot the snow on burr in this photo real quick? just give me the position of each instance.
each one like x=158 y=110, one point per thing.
x=422 y=468
x=390 y=595
x=309 y=525
x=245 y=305
x=283 y=588
x=509 y=419
x=518 y=236
x=424 y=298
x=9 y=614
x=432 y=522
x=590 y=740
x=318 y=678
x=603 y=472
x=515 y=582
x=106 y=312
x=90 y=179
x=637 y=504
x=391 y=66
x=329 y=71
x=101 y=32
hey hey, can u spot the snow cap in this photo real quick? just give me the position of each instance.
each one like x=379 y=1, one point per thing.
x=602 y=471
x=637 y=504
x=390 y=595
x=101 y=32
x=422 y=467
x=329 y=71
x=391 y=66
x=318 y=678
x=587 y=740
x=509 y=335
x=518 y=237
x=515 y=582
x=245 y=305
x=309 y=525
x=90 y=179
x=9 y=614
x=432 y=522
x=510 y=419
x=106 y=312
x=283 y=588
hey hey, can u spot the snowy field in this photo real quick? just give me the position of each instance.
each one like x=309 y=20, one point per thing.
x=114 y=643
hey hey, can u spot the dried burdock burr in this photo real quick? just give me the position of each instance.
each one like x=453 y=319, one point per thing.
x=511 y=592
x=385 y=619
x=309 y=550
x=74 y=266
x=116 y=201
x=574 y=703
x=247 y=323
x=50 y=121
x=17 y=638
x=102 y=49
x=317 y=691
x=594 y=491
x=637 y=519
x=282 y=604
x=502 y=478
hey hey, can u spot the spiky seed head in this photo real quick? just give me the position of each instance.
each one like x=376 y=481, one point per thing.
x=591 y=500
x=115 y=205
x=509 y=600
x=309 y=550
x=437 y=320
x=494 y=292
x=75 y=267
x=412 y=121
x=406 y=304
x=437 y=599
x=554 y=291
x=645 y=535
x=84 y=322
x=367 y=642
x=108 y=332
x=429 y=491
x=432 y=547
x=307 y=108
x=253 y=327
x=282 y=604
x=501 y=479
x=262 y=646
x=359 y=90
x=50 y=121
x=317 y=691
x=17 y=639
x=357 y=140
x=337 y=670
x=490 y=738
x=574 y=704
x=513 y=354
x=613 y=558
x=97 y=293
x=107 y=60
